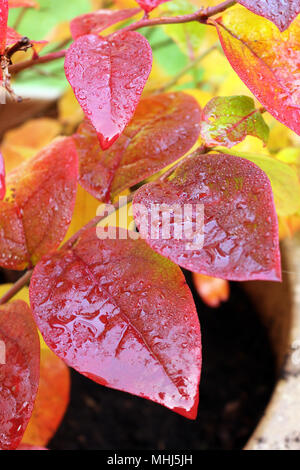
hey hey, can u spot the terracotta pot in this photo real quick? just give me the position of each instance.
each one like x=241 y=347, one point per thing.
x=279 y=306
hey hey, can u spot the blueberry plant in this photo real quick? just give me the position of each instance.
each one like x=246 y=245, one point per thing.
x=117 y=308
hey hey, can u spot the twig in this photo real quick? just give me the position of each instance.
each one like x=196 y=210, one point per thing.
x=200 y=15
x=186 y=69
x=16 y=68
x=20 y=17
x=16 y=287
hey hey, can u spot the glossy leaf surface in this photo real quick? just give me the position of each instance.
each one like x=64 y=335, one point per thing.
x=283 y=178
x=97 y=21
x=2 y=177
x=51 y=401
x=38 y=207
x=19 y=375
x=239 y=237
x=227 y=120
x=281 y=12
x=149 y=5
x=123 y=316
x=266 y=60
x=3 y=24
x=164 y=128
x=108 y=76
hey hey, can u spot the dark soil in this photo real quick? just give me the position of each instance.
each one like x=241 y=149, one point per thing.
x=237 y=380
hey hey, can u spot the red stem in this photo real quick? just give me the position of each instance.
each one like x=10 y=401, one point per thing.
x=15 y=68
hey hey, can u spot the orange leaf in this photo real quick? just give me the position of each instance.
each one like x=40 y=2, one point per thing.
x=266 y=60
x=25 y=141
x=23 y=3
x=51 y=401
x=38 y=207
x=212 y=290
x=19 y=371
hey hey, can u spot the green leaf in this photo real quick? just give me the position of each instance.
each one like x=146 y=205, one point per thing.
x=38 y=22
x=188 y=36
x=283 y=178
x=227 y=120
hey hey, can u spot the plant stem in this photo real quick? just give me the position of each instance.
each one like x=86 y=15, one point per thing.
x=16 y=287
x=20 y=17
x=200 y=15
x=16 y=68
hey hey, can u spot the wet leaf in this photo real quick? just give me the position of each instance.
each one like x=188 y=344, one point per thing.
x=281 y=12
x=38 y=207
x=267 y=61
x=108 y=79
x=283 y=178
x=19 y=375
x=227 y=120
x=164 y=128
x=2 y=177
x=212 y=290
x=233 y=197
x=51 y=401
x=3 y=25
x=123 y=316
x=149 y=5
x=97 y=21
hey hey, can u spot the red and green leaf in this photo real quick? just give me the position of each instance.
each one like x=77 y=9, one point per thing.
x=267 y=61
x=108 y=76
x=19 y=376
x=97 y=21
x=38 y=207
x=281 y=12
x=123 y=316
x=164 y=128
x=238 y=239
x=228 y=120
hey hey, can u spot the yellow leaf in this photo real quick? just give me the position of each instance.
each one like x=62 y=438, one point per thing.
x=24 y=142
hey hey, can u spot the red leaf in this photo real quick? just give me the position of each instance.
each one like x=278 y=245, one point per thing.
x=30 y=447
x=266 y=62
x=37 y=210
x=97 y=21
x=22 y=3
x=13 y=36
x=240 y=224
x=281 y=12
x=108 y=76
x=3 y=24
x=164 y=128
x=19 y=375
x=149 y=5
x=123 y=316
x=2 y=177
